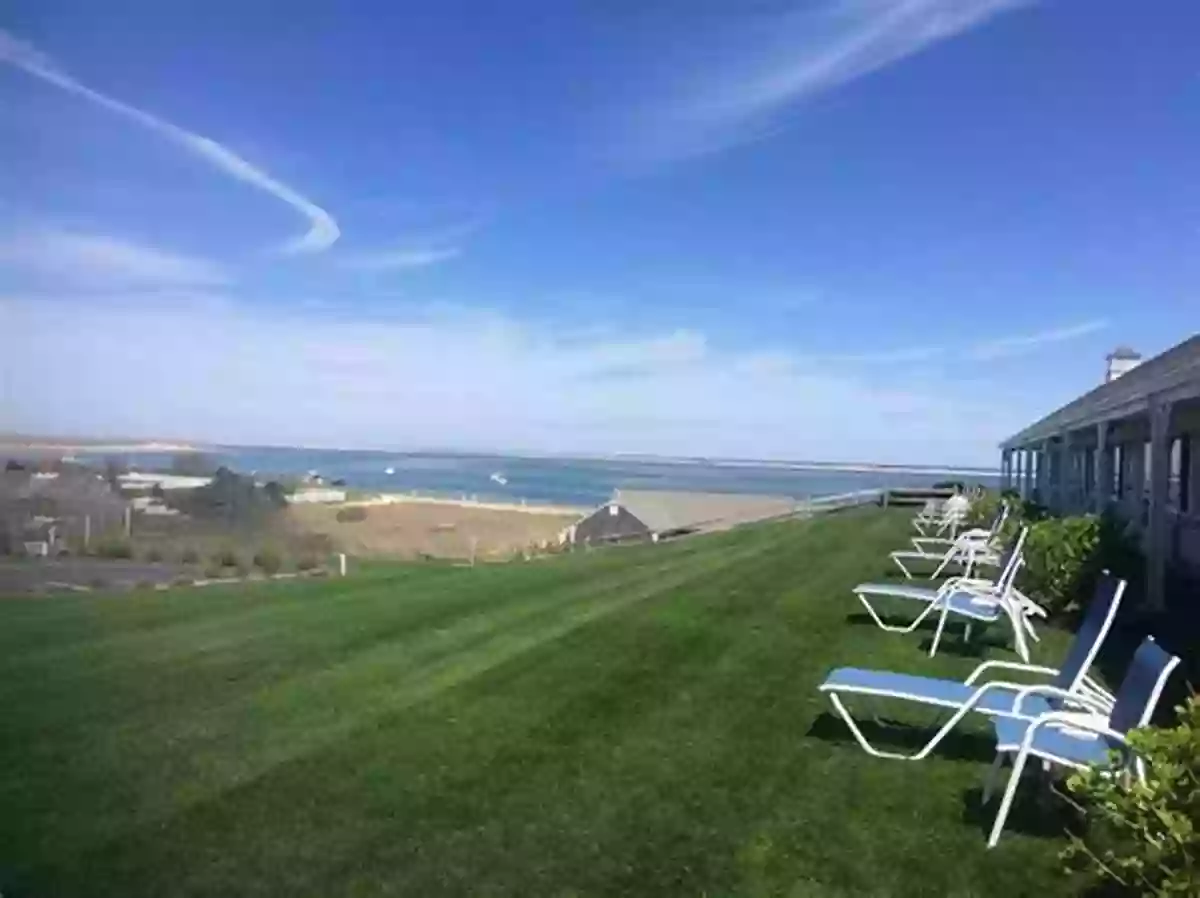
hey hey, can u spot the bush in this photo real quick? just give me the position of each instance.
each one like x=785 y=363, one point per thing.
x=115 y=548
x=189 y=556
x=1060 y=559
x=983 y=511
x=1065 y=556
x=214 y=572
x=268 y=561
x=154 y=554
x=1145 y=837
x=226 y=558
x=307 y=563
x=352 y=515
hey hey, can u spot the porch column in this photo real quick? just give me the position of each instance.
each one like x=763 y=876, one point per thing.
x=1135 y=478
x=1006 y=467
x=1044 y=473
x=1102 y=489
x=1027 y=492
x=1157 y=525
x=1058 y=474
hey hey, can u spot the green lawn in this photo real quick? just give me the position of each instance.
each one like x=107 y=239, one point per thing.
x=639 y=721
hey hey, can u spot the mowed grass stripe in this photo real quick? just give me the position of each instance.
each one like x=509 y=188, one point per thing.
x=645 y=727
x=182 y=758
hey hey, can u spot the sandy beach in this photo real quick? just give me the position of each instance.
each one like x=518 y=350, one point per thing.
x=53 y=447
x=407 y=526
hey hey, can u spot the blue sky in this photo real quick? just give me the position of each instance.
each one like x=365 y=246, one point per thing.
x=891 y=230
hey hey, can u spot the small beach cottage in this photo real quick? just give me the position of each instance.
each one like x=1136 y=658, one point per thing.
x=656 y=514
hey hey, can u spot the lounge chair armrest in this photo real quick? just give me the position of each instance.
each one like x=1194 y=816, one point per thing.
x=1068 y=721
x=1007 y=665
x=1077 y=699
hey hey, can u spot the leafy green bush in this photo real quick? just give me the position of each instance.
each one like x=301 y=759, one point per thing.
x=226 y=558
x=115 y=548
x=352 y=514
x=307 y=563
x=154 y=554
x=189 y=556
x=268 y=561
x=1065 y=556
x=1145 y=837
x=1060 y=560
x=983 y=511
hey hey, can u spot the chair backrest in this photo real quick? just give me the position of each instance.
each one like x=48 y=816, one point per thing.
x=1011 y=561
x=1093 y=629
x=1142 y=686
x=1001 y=518
x=1010 y=564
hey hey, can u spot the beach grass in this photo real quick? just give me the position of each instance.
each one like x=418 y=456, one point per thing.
x=635 y=721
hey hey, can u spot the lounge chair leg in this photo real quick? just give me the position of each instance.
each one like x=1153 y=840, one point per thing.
x=937 y=636
x=967 y=632
x=1010 y=792
x=891 y=628
x=900 y=564
x=860 y=738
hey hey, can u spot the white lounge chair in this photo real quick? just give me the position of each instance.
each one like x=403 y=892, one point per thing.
x=1069 y=686
x=989 y=534
x=972 y=599
x=967 y=551
x=1081 y=739
x=947 y=519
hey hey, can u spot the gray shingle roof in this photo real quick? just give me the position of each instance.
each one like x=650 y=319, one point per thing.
x=664 y=511
x=1175 y=374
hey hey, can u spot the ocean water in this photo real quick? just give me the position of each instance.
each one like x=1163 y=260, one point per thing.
x=558 y=481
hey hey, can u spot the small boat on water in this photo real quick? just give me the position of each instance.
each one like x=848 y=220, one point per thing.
x=499 y=478
x=389 y=470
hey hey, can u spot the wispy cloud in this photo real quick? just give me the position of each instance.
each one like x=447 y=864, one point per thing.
x=420 y=250
x=323 y=231
x=885 y=356
x=1005 y=347
x=806 y=51
x=987 y=350
x=463 y=381
x=102 y=261
x=401 y=259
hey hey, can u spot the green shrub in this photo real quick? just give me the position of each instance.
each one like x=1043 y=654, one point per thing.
x=189 y=556
x=226 y=558
x=983 y=511
x=352 y=514
x=268 y=561
x=115 y=548
x=1060 y=559
x=307 y=563
x=154 y=554
x=1145 y=837
x=214 y=572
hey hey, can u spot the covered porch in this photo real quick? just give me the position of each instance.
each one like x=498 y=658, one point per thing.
x=1130 y=445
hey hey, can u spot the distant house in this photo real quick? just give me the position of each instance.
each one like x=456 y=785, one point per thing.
x=652 y=515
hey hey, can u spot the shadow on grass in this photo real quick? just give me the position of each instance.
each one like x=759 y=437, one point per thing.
x=896 y=735
x=976 y=647
x=893 y=620
x=952 y=639
x=1038 y=810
